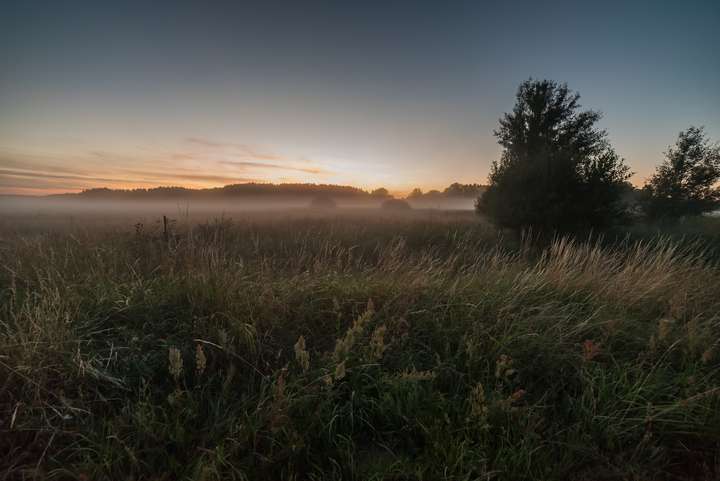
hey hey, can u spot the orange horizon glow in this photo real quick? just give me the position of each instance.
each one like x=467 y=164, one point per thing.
x=198 y=163
x=213 y=165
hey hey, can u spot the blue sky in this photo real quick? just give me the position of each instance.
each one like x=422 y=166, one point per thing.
x=394 y=94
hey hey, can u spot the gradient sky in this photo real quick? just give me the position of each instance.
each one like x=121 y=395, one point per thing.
x=367 y=93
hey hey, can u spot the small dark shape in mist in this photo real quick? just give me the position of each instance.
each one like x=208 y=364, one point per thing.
x=323 y=202
x=396 y=205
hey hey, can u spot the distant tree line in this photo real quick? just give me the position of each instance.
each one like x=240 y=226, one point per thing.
x=228 y=191
x=455 y=190
x=558 y=171
x=255 y=190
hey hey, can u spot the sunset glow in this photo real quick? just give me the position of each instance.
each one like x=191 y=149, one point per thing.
x=132 y=95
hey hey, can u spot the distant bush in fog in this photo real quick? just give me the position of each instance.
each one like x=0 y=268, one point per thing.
x=323 y=202
x=395 y=204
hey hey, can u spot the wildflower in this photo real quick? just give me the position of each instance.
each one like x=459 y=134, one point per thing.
x=301 y=355
x=175 y=363
x=590 y=350
x=200 y=360
x=503 y=367
x=517 y=395
x=377 y=346
x=175 y=397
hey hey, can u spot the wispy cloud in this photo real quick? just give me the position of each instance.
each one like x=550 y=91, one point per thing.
x=44 y=175
x=191 y=175
x=245 y=150
x=31 y=162
x=308 y=170
x=14 y=185
x=209 y=143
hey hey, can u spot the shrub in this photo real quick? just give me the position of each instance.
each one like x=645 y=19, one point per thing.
x=395 y=204
x=323 y=202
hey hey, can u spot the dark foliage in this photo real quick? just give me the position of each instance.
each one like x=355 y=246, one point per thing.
x=557 y=170
x=415 y=194
x=463 y=190
x=685 y=184
x=454 y=190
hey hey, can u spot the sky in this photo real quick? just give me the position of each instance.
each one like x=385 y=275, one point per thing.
x=399 y=94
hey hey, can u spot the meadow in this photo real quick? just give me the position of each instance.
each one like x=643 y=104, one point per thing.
x=356 y=346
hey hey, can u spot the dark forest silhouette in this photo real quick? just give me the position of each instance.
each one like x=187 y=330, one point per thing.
x=269 y=190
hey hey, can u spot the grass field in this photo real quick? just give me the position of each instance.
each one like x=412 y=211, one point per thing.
x=358 y=346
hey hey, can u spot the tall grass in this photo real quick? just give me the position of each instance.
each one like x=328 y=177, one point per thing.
x=348 y=348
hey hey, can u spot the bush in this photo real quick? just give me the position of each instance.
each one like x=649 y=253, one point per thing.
x=323 y=202
x=396 y=204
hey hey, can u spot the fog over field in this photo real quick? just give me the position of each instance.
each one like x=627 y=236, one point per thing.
x=230 y=201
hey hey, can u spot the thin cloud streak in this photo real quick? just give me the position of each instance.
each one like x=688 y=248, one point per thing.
x=245 y=149
x=307 y=170
x=191 y=168
x=224 y=179
x=159 y=177
x=43 y=175
x=33 y=166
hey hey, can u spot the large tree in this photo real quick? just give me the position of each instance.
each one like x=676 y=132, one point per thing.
x=557 y=170
x=686 y=182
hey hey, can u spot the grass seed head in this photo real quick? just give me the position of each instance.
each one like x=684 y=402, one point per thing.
x=478 y=404
x=377 y=343
x=665 y=327
x=301 y=355
x=175 y=363
x=200 y=360
x=340 y=371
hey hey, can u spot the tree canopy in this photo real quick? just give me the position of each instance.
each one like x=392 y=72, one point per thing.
x=686 y=182
x=557 y=170
x=381 y=192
